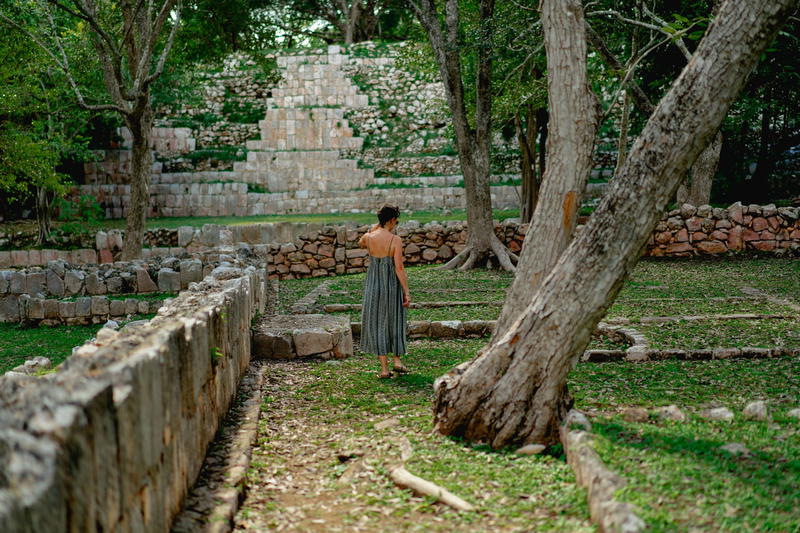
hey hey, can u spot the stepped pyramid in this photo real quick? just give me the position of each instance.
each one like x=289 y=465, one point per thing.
x=304 y=130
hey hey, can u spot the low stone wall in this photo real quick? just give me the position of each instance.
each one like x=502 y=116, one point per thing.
x=37 y=293
x=709 y=231
x=114 y=439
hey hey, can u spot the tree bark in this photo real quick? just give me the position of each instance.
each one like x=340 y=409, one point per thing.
x=473 y=143
x=514 y=391
x=572 y=128
x=526 y=138
x=702 y=173
x=42 y=215
x=141 y=127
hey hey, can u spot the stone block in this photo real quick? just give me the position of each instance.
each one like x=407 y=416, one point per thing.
x=272 y=345
x=9 y=309
x=131 y=306
x=144 y=283
x=191 y=271
x=114 y=284
x=95 y=285
x=142 y=307
x=83 y=306
x=116 y=307
x=66 y=309
x=51 y=308
x=169 y=280
x=185 y=235
x=4 y=277
x=99 y=305
x=446 y=329
x=712 y=247
x=16 y=282
x=73 y=282
x=35 y=283
x=36 y=309
x=312 y=341
x=101 y=240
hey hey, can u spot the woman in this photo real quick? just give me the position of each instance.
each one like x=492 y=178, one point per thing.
x=386 y=296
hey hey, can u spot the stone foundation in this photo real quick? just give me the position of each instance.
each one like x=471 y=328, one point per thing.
x=115 y=438
x=292 y=336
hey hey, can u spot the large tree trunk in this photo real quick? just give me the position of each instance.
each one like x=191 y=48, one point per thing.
x=514 y=391
x=572 y=128
x=622 y=143
x=141 y=126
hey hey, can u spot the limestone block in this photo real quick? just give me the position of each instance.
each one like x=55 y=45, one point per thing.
x=95 y=285
x=131 y=306
x=185 y=235
x=36 y=309
x=9 y=309
x=35 y=283
x=272 y=345
x=101 y=240
x=445 y=328
x=169 y=280
x=83 y=306
x=144 y=283
x=99 y=305
x=50 y=308
x=114 y=284
x=66 y=309
x=73 y=282
x=143 y=307
x=116 y=307
x=191 y=271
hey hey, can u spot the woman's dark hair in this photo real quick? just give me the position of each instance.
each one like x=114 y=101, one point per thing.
x=387 y=212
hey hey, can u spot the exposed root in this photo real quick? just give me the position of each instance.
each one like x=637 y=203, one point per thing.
x=458 y=260
x=471 y=257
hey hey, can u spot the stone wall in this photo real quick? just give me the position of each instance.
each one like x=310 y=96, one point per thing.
x=114 y=439
x=684 y=232
x=705 y=230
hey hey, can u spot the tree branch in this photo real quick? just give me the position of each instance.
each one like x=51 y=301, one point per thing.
x=64 y=68
x=165 y=52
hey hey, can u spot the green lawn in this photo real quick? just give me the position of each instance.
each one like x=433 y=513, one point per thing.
x=677 y=474
x=20 y=343
x=321 y=409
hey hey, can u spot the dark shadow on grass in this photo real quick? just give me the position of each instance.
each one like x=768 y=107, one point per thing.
x=761 y=469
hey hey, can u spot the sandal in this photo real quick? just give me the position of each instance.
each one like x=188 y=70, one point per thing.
x=401 y=369
x=385 y=376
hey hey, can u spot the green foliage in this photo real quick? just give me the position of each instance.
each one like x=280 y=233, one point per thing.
x=77 y=215
x=26 y=164
x=255 y=188
x=219 y=153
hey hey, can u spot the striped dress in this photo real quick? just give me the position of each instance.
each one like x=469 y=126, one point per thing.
x=383 y=317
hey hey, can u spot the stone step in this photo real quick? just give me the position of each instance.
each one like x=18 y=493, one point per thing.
x=293 y=336
x=440 y=181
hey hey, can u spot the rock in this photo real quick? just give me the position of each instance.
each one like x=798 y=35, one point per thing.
x=169 y=280
x=736 y=449
x=35 y=283
x=756 y=410
x=736 y=212
x=794 y=413
x=445 y=328
x=106 y=335
x=144 y=283
x=635 y=414
x=671 y=412
x=272 y=345
x=191 y=271
x=73 y=282
x=312 y=341
x=99 y=305
x=577 y=420
x=531 y=449
x=33 y=365
x=687 y=210
x=718 y=413
x=114 y=284
x=95 y=285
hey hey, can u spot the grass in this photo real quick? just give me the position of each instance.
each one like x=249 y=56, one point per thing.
x=677 y=474
x=633 y=309
x=340 y=406
x=735 y=333
x=19 y=343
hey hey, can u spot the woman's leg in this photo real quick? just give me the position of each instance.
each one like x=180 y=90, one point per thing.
x=398 y=364
x=384 y=360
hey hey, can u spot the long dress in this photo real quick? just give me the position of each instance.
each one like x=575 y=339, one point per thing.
x=383 y=317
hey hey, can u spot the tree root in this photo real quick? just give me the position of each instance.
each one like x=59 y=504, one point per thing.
x=472 y=257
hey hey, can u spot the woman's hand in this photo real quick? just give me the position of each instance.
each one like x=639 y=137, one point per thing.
x=406 y=299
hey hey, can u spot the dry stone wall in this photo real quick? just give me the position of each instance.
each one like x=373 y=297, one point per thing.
x=114 y=439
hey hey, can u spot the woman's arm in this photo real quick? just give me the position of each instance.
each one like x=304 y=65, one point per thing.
x=400 y=271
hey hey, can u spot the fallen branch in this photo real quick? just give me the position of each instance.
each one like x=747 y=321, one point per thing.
x=405 y=479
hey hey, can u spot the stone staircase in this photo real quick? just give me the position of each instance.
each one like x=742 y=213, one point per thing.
x=304 y=130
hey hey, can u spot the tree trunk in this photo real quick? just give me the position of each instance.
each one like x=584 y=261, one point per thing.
x=141 y=127
x=622 y=144
x=42 y=215
x=472 y=143
x=573 y=124
x=703 y=171
x=352 y=22
x=514 y=391
x=526 y=138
